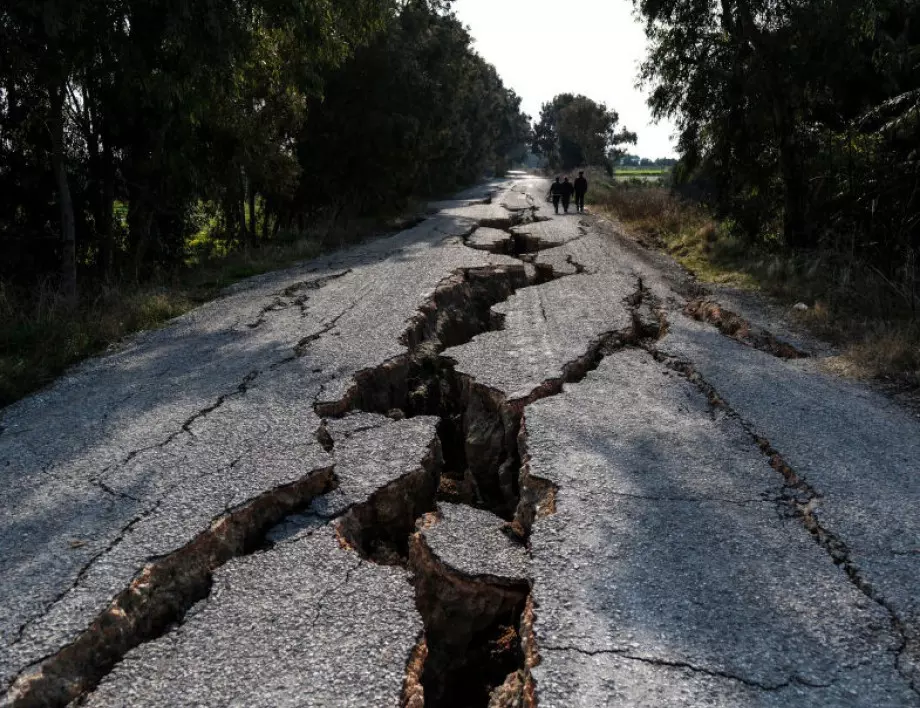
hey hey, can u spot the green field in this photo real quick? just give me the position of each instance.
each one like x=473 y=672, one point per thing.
x=644 y=173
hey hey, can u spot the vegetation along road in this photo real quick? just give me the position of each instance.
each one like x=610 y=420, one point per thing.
x=295 y=416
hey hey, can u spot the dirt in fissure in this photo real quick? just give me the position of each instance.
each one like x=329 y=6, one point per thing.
x=472 y=652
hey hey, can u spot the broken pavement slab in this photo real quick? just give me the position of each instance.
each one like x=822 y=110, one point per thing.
x=545 y=330
x=307 y=624
x=474 y=542
x=492 y=240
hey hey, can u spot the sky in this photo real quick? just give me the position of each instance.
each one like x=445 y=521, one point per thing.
x=543 y=48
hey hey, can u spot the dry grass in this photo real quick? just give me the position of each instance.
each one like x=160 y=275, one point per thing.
x=849 y=303
x=40 y=336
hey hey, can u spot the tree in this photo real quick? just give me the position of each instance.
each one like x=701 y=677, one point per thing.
x=158 y=104
x=574 y=130
x=779 y=105
x=414 y=112
x=45 y=46
x=128 y=125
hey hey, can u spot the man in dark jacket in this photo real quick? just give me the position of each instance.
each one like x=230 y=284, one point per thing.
x=581 y=188
x=566 y=190
x=555 y=192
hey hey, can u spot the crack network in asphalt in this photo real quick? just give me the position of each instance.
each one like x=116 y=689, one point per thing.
x=423 y=382
x=800 y=498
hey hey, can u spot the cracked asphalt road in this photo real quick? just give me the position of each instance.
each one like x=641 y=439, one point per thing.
x=222 y=512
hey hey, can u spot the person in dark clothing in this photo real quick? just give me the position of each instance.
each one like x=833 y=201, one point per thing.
x=566 y=191
x=581 y=189
x=555 y=192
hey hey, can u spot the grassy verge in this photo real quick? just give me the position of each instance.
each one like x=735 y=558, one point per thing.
x=849 y=303
x=40 y=337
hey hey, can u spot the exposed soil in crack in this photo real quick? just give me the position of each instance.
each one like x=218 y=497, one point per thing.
x=478 y=647
x=800 y=499
x=160 y=596
x=736 y=327
x=472 y=630
x=471 y=644
x=538 y=495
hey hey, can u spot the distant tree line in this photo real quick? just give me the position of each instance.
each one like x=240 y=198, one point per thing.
x=803 y=118
x=576 y=131
x=125 y=126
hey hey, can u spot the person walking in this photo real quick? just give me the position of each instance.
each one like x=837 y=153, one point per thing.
x=555 y=191
x=581 y=189
x=566 y=191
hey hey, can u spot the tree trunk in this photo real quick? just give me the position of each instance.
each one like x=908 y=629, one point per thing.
x=106 y=227
x=241 y=207
x=68 y=228
x=266 y=219
x=101 y=220
x=252 y=215
x=795 y=225
x=140 y=220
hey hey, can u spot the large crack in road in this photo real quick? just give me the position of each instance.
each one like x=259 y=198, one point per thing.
x=471 y=648
x=532 y=486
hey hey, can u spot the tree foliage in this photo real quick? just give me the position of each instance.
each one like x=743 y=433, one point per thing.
x=574 y=130
x=126 y=126
x=803 y=117
x=415 y=111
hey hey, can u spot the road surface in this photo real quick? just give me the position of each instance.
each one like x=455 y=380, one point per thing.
x=498 y=459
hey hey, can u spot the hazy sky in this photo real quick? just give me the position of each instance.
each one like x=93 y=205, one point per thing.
x=545 y=47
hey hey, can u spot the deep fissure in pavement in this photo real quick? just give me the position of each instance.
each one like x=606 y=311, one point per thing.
x=472 y=629
x=479 y=426
x=471 y=645
x=471 y=639
x=160 y=596
x=478 y=442
x=471 y=653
